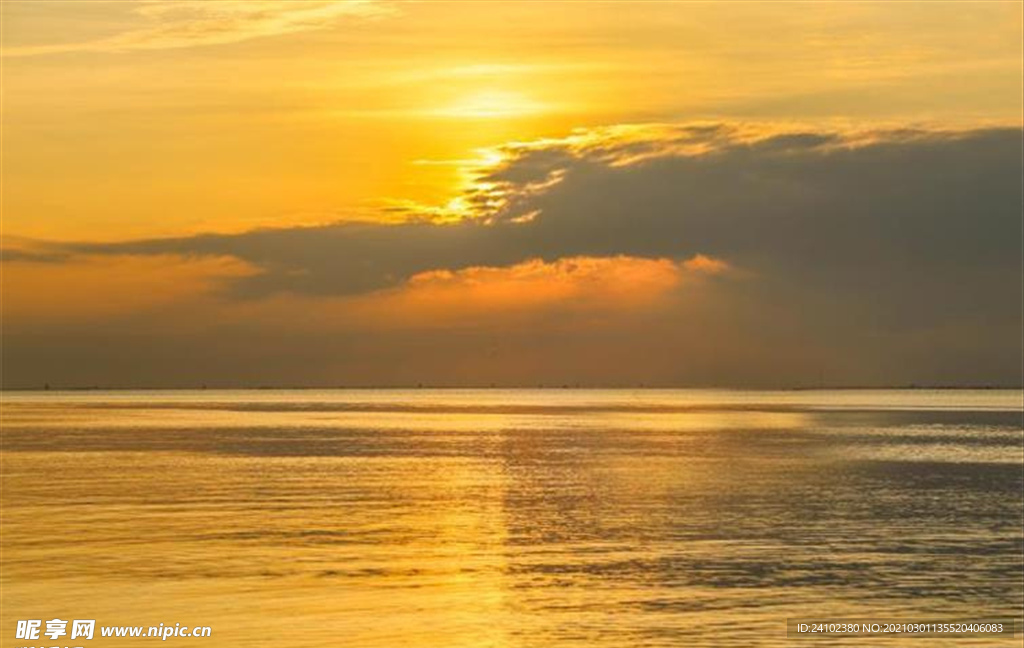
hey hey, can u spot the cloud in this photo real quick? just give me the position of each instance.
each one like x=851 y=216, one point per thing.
x=193 y=23
x=833 y=206
x=706 y=265
x=870 y=256
x=574 y=284
x=38 y=290
x=581 y=279
x=13 y=254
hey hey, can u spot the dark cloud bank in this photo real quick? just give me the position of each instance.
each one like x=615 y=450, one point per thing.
x=885 y=258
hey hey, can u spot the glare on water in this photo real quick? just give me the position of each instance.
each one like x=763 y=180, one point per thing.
x=509 y=517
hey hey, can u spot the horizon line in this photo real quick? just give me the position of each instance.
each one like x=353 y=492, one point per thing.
x=558 y=387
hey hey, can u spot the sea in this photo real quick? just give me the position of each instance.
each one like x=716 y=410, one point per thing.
x=509 y=518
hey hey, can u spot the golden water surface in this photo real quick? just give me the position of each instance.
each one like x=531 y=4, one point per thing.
x=508 y=517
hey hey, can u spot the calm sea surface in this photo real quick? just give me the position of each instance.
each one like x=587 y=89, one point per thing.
x=509 y=518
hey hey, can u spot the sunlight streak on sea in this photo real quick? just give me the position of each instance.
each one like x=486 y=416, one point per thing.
x=509 y=518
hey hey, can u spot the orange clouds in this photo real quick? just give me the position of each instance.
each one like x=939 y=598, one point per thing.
x=95 y=288
x=535 y=282
x=587 y=284
x=178 y=289
x=707 y=265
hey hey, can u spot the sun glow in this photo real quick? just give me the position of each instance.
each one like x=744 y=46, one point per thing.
x=492 y=104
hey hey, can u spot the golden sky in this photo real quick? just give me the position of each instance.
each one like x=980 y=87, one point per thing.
x=138 y=119
x=134 y=122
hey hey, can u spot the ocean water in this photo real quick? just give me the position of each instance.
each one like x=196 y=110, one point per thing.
x=509 y=517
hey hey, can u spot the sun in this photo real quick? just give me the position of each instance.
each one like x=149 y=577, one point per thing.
x=493 y=104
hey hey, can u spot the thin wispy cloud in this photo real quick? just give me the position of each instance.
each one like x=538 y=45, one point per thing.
x=193 y=23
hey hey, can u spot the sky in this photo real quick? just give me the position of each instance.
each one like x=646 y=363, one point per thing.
x=290 y=193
